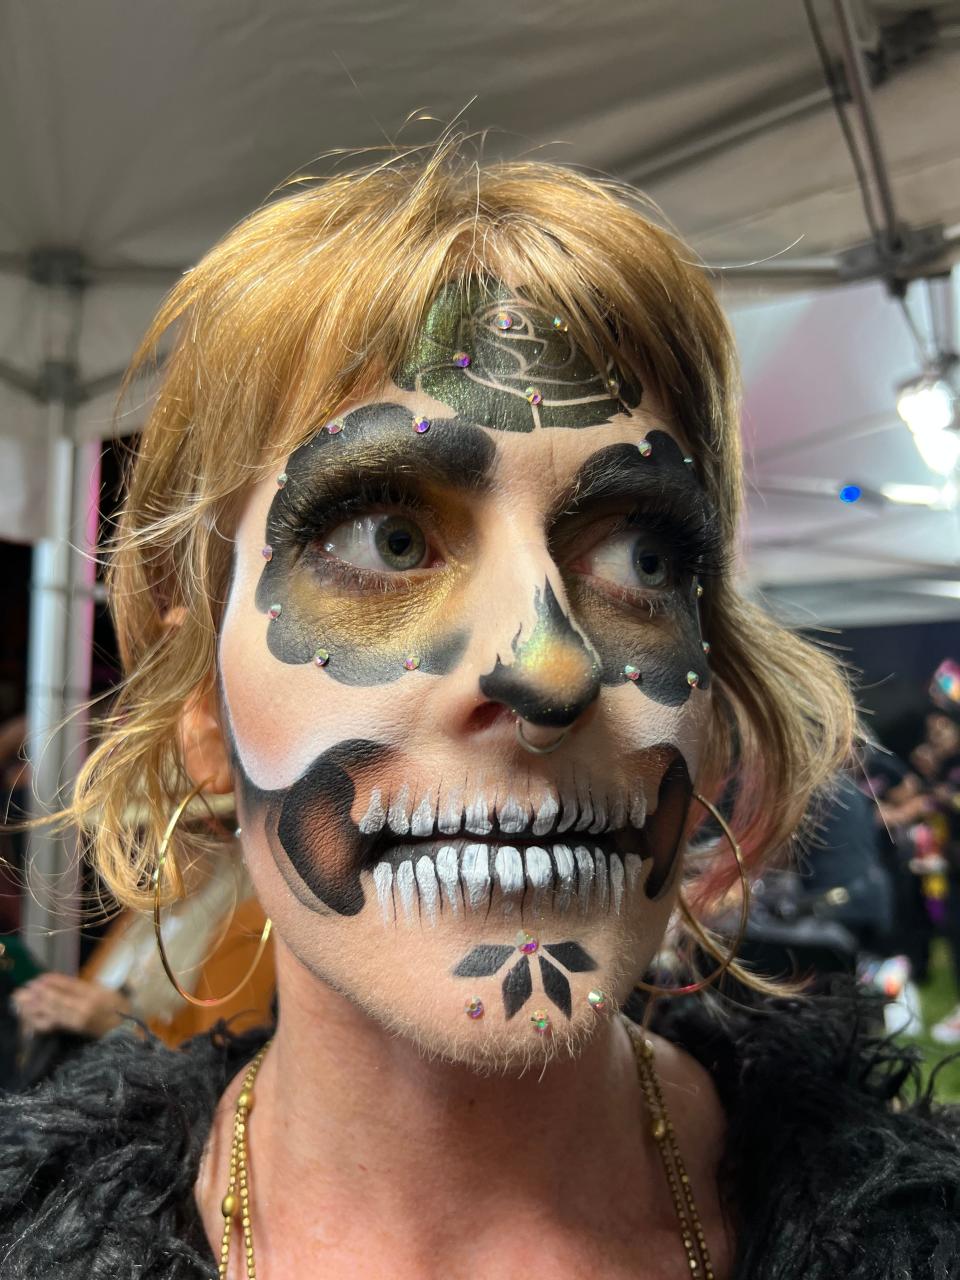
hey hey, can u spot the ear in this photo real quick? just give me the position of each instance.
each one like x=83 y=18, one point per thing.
x=202 y=743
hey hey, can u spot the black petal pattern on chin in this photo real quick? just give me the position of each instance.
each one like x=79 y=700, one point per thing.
x=572 y=956
x=517 y=987
x=555 y=985
x=483 y=961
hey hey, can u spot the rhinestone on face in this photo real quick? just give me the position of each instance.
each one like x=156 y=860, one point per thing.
x=705 y=646
x=474 y=1008
x=461 y=360
x=421 y=425
x=541 y=1022
x=598 y=1000
x=321 y=657
x=645 y=448
x=699 y=591
x=613 y=384
x=411 y=662
x=693 y=679
x=559 y=324
x=267 y=552
x=503 y=320
x=688 y=462
x=533 y=395
x=335 y=427
x=526 y=942
x=275 y=611
x=631 y=672
x=282 y=479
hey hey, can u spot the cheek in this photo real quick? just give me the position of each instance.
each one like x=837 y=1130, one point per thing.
x=636 y=723
x=283 y=716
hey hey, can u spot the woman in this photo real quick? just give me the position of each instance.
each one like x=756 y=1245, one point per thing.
x=428 y=558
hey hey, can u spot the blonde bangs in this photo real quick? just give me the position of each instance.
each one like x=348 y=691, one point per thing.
x=309 y=303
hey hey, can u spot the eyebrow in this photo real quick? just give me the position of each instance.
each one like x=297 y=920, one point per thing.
x=620 y=473
x=379 y=440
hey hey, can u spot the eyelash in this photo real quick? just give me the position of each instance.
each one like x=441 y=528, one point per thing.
x=694 y=545
x=306 y=518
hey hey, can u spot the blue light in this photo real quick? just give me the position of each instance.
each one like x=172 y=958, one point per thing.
x=851 y=493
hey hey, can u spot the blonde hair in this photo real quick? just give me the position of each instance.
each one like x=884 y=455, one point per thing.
x=288 y=317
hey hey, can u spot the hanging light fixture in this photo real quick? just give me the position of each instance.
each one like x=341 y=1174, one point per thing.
x=930 y=406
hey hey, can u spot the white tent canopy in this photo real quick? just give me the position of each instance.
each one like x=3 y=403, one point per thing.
x=133 y=134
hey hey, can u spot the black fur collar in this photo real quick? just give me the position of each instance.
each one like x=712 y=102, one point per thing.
x=829 y=1172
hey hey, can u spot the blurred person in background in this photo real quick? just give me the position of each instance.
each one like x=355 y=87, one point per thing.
x=428 y=558
x=211 y=939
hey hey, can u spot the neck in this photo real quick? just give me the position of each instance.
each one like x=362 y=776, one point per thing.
x=354 y=1125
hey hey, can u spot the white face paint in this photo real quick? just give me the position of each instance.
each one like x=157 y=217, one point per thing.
x=396 y=830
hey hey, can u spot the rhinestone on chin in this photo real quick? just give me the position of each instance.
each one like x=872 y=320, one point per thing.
x=526 y=942
x=474 y=1008
x=541 y=1022
x=598 y=1000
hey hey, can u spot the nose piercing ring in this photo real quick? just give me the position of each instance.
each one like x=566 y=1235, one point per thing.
x=540 y=751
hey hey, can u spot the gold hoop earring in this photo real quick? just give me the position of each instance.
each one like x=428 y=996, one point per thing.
x=705 y=941
x=157 y=876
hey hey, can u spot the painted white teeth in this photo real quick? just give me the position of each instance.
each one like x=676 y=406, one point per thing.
x=566 y=876
x=421 y=824
x=599 y=822
x=585 y=821
x=638 y=810
x=546 y=816
x=569 y=815
x=406 y=889
x=373 y=820
x=539 y=875
x=618 y=815
x=508 y=866
x=584 y=876
x=513 y=816
x=429 y=890
x=448 y=873
x=398 y=815
x=603 y=888
x=383 y=879
x=616 y=882
x=633 y=866
x=450 y=817
x=475 y=873
x=476 y=819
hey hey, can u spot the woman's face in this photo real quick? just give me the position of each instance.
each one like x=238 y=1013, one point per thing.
x=499 y=536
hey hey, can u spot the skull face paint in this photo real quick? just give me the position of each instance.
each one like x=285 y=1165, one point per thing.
x=392 y=821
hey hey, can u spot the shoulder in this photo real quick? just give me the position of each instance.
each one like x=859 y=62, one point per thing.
x=837 y=1161
x=97 y=1165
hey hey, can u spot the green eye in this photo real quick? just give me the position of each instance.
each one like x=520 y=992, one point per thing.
x=651 y=567
x=395 y=543
x=400 y=542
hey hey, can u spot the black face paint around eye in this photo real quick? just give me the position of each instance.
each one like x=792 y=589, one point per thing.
x=667 y=652
x=500 y=362
x=368 y=640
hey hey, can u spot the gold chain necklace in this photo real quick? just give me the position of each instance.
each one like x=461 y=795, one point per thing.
x=236 y=1203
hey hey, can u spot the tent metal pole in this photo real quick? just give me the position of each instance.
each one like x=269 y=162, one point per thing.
x=859 y=84
x=60 y=648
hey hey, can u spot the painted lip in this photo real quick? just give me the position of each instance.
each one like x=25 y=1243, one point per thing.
x=425 y=875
